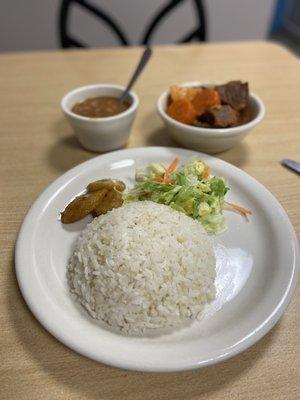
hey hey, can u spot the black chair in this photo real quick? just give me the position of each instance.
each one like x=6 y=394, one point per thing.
x=198 y=33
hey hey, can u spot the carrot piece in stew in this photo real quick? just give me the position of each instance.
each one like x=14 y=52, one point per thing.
x=205 y=99
x=183 y=111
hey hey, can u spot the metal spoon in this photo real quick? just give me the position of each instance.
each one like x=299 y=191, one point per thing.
x=294 y=165
x=141 y=65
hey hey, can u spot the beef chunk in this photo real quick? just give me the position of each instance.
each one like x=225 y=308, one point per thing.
x=201 y=124
x=235 y=94
x=245 y=115
x=219 y=117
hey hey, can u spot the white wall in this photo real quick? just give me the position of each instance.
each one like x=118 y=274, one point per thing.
x=28 y=24
x=32 y=24
x=240 y=19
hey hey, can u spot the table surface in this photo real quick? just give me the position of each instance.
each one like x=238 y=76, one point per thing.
x=37 y=146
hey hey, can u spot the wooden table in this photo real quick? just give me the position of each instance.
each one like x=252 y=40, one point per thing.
x=37 y=146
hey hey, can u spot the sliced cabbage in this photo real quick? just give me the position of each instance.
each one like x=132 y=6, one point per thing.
x=191 y=190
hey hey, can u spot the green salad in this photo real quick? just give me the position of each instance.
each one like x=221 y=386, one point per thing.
x=191 y=189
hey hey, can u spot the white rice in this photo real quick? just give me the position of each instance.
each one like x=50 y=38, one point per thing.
x=143 y=266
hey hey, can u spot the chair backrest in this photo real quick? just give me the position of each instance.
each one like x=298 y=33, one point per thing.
x=67 y=40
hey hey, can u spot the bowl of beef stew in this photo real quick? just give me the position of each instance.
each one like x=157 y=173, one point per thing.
x=210 y=118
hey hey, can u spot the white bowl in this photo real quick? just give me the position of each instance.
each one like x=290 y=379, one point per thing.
x=100 y=134
x=209 y=140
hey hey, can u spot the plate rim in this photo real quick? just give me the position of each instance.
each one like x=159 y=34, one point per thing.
x=248 y=341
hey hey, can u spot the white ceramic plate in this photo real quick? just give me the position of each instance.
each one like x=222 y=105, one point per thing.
x=257 y=264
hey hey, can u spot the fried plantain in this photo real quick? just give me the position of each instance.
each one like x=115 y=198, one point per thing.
x=106 y=184
x=112 y=199
x=81 y=206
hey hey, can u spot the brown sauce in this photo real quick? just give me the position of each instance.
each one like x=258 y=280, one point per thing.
x=100 y=107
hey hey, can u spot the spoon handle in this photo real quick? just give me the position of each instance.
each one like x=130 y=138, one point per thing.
x=141 y=65
x=294 y=165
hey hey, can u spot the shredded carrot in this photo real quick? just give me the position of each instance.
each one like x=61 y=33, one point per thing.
x=170 y=169
x=206 y=172
x=241 y=210
x=161 y=179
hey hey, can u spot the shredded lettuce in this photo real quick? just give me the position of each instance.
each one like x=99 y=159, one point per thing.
x=190 y=189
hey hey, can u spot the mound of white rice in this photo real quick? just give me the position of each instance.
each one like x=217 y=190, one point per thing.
x=143 y=266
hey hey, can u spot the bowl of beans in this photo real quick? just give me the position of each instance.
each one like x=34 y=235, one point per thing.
x=99 y=120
